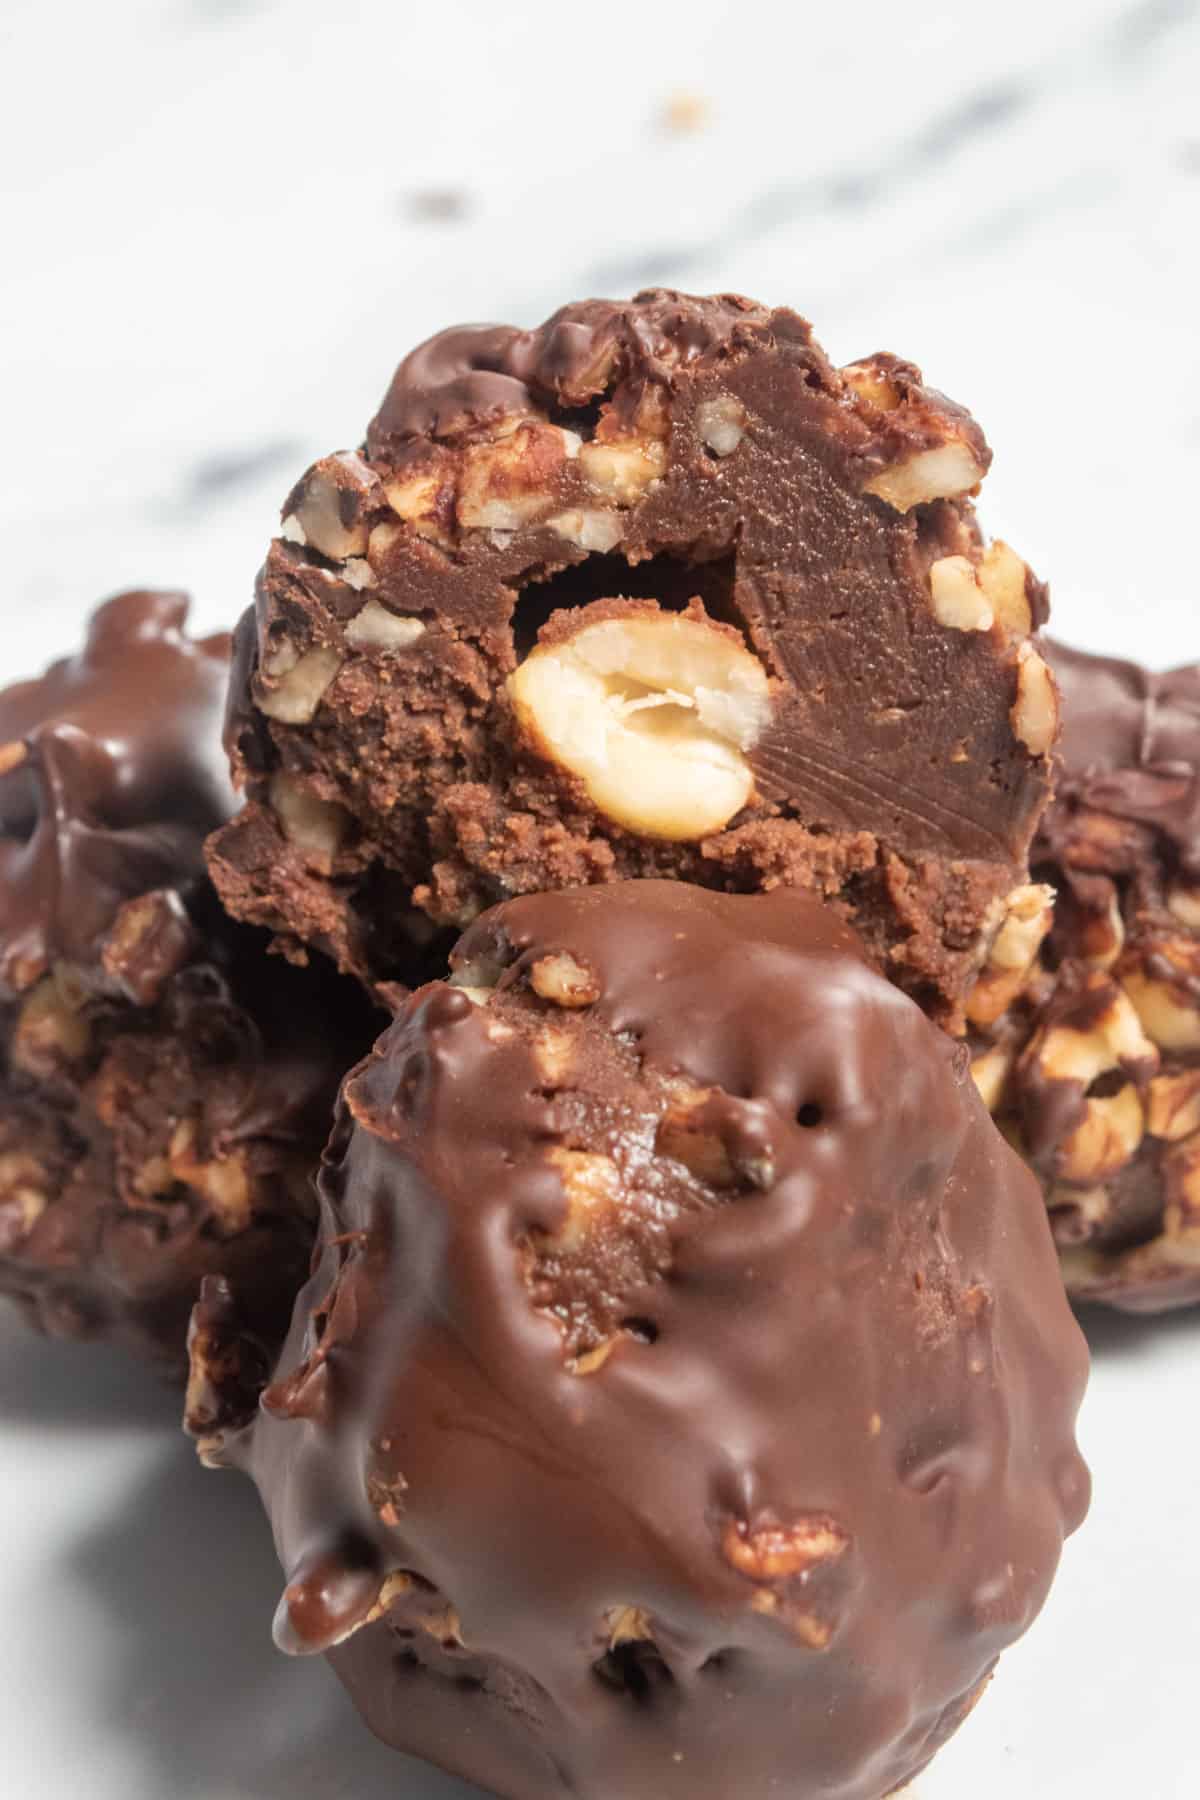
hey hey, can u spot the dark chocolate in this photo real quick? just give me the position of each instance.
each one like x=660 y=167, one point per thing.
x=165 y=1084
x=632 y=462
x=1097 y=1065
x=683 y=1403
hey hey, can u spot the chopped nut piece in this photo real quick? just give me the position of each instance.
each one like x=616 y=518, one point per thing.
x=223 y=1181
x=23 y=1196
x=316 y=826
x=415 y=501
x=591 y=1185
x=958 y=599
x=1173 y=1105
x=299 y=687
x=1035 y=710
x=1183 y=902
x=624 y=468
x=395 y=1587
x=554 y=1052
x=564 y=981
x=1171 y=1020
x=721 y=424
x=1029 y=914
x=1105 y=1139
x=591 y=1360
x=627 y=1625
x=1114 y=1040
x=653 y=713
x=990 y=1072
x=1002 y=575
x=12 y=756
x=778 y=1552
x=938 y=474
x=510 y=480
x=375 y=628
x=328 y=509
x=51 y=1029
x=870 y=383
x=588 y=528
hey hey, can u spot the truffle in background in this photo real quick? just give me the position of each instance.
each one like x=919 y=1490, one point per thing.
x=651 y=590
x=683 y=1404
x=1094 y=1070
x=165 y=1085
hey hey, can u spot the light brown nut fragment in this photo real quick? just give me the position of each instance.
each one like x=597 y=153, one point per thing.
x=1114 y=1040
x=149 y=941
x=554 y=1053
x=939 y=474
x=224 y=1182
x=23 y=1196
x=721 y=424
x=1028 y=916
x=1173 y=1105
x=564 y=981
x=957 y=598
x=588 y=528
x=12 y=756
x=1076 y=1212
x=1183 y=902
x=627 y=1625
x=683 y=1138
x=590 y=1360
x=990 y=1072
x=1170 y=1018
x=510 y=480
x=779 y=1552
x=1035 y=710
x=592 y=1187
x=395 y=1587
x=315 y=826
x=415 y=500
x=1002 y=576
x=292 y=692
x=654 y=714
x=1106 y=1138
x=330 y=507
x=375 y=628
x=52 y=1030
x=871 y=383
x=623 y=468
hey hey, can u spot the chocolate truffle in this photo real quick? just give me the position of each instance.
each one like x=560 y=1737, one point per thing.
x=165 y=1085
x=651 y=590
x=1094 y=1071
x=684 y=1402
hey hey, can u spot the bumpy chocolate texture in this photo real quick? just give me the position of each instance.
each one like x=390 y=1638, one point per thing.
x=651 y=590
x=165 y=1086
x=1094 y=1068
x=684 y=1404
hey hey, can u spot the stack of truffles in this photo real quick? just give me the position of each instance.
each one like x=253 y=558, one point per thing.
x=653 y=1358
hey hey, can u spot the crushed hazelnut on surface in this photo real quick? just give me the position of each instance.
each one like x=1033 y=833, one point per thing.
x=778 y=1552
x=564 y=981
x=721 y=424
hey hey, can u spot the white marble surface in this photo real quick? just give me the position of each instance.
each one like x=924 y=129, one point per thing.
x=216 y=243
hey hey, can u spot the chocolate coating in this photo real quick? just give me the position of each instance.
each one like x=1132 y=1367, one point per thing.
x=684 y=1401
x=165 y=1085
x=628 y=461
x=1102 y=1091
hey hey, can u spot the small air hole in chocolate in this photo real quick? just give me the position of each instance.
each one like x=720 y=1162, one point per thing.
x=644 y=1330
x=671 y=580
x=810 y=1115
x=635 y=1670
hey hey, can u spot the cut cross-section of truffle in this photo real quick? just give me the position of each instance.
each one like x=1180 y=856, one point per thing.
x=683 y=1404
x=1092 y=1063
x=651 y=590
x=165 y=1084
